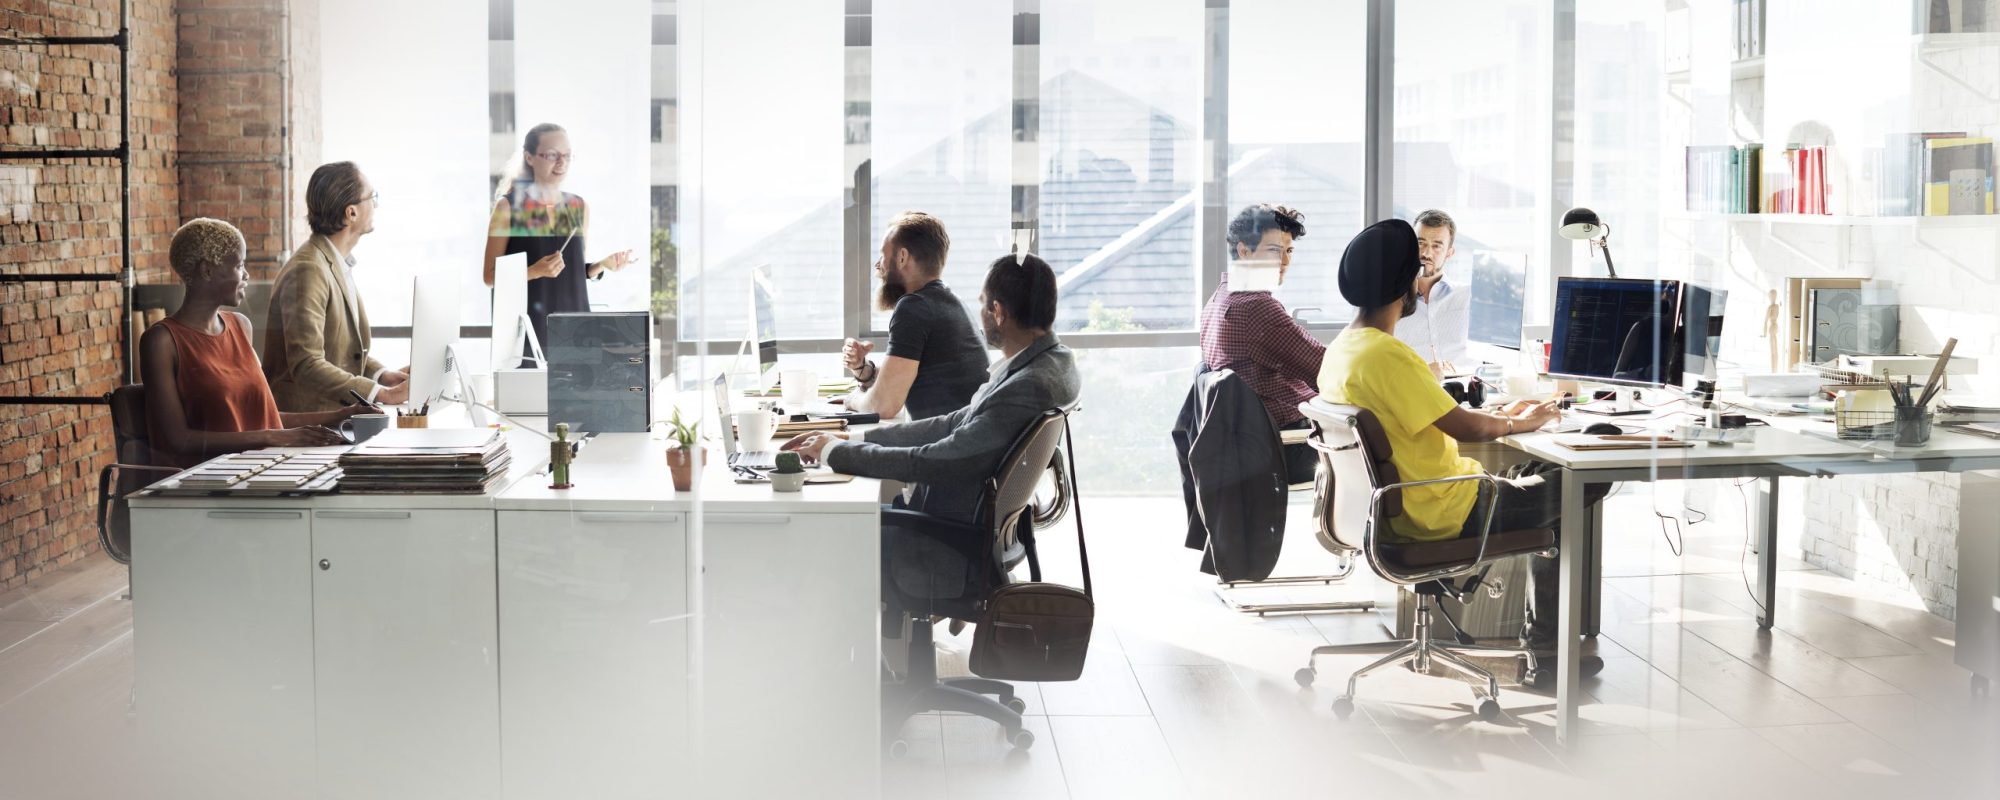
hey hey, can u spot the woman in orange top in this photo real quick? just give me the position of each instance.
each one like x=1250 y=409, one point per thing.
x=205 y=393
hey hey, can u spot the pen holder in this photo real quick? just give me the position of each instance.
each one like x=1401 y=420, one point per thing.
x=413 y=422
x=1913 y=425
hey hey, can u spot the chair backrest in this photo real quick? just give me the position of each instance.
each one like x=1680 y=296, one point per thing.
x=1354 y=461
x=1012 y=487
x=128 y=425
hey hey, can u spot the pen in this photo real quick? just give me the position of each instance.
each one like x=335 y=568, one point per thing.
x=359 y=399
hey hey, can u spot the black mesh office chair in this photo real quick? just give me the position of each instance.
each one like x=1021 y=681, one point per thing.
x=1360 y=492
x=132 y=469
x=934 y=567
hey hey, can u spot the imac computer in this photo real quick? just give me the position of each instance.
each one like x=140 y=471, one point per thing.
x=434 y=304
x=510 y=315
x=1617 y=330
x=1701 y=331
x=762 y=336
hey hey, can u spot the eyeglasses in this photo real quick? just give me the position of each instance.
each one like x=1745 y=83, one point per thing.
x=556 y=157
x=373 y=199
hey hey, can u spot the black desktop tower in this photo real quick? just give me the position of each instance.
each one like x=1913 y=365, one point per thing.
x=598 y=371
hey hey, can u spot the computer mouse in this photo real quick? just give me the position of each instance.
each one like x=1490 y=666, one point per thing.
x=1603 y=429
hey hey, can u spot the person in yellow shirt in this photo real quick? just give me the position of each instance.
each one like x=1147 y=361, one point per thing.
x=1367 y=366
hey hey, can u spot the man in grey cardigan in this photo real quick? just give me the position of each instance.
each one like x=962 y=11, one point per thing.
x=949 y=457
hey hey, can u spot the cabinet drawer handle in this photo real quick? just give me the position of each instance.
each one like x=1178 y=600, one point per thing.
x=750 y=519
x=362 y=514
x=256 y=514
x=640 y=517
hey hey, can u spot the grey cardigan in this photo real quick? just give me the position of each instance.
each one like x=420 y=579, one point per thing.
x=950 y=457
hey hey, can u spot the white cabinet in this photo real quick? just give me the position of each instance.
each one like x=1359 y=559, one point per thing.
x=598 y=705
x=223 y=666
x=406 y=653
x=789 y=669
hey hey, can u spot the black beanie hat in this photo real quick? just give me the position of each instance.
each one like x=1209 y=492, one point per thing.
x=1380 y=264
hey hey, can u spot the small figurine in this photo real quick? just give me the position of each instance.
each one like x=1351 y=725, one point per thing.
x=560 y=456
x=1771 y=328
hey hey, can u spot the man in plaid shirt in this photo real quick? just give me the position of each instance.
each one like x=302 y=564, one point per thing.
x=1250 y=332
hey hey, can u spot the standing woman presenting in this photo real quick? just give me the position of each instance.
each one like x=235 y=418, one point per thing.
x=533 y=215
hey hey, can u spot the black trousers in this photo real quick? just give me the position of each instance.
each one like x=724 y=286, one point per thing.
x=1531 y=497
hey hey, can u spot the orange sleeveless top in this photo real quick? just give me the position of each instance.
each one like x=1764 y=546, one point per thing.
x=221 y=385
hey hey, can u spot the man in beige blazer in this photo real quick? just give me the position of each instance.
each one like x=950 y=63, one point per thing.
x=316 y=340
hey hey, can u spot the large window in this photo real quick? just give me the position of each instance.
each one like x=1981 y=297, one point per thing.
x=1120 y=103
x=1296 y=93
x=1473 y=132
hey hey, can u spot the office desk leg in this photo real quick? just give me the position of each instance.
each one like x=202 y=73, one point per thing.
x=1573 y=540
x=1593 y=583
x=1767 y=551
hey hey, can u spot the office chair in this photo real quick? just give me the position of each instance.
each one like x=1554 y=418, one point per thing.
x=1360 y=492
x=133 y=468
x=1237 y=496
x=933 y=566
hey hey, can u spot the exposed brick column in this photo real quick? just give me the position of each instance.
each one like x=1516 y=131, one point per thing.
x=232 y=120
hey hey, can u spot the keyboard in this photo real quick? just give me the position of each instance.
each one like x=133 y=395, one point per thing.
x=758 y=459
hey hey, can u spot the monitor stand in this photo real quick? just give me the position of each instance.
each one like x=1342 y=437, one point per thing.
x=1622 y=406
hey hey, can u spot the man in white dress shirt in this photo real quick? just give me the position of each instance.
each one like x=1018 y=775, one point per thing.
x=1439 y=329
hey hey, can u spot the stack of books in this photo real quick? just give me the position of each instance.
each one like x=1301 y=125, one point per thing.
x=1934 y=174
x=426 y=461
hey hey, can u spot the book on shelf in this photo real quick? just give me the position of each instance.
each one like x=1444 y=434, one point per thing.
x=1958 y=176
x=1748 y=25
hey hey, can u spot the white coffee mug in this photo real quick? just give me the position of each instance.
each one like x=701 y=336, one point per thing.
x=754 y=429
x=362 y=427
x=800 y=387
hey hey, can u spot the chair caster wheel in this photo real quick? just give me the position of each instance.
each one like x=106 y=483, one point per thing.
x=1021 y=739
x=1982 y=687
x=1542 y=678
x=898 y=749
x=1017 y=705
x=1487 y=710
x=1343 y=706
x=1304 y=677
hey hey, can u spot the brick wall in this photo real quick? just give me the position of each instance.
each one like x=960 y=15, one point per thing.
x=232 y=121
x=209 y=139
x=62 y=217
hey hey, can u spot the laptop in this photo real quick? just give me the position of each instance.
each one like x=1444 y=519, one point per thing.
x=763 y=460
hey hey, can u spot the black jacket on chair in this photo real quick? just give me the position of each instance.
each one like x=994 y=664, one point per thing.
x=1232 y=478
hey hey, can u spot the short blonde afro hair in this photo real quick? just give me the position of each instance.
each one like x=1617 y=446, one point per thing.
x=203 y=248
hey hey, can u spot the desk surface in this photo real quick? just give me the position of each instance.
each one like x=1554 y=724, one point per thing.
x=1803 y=442
x=628 y=472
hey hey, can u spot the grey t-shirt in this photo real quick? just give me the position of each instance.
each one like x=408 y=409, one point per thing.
x=929 y=326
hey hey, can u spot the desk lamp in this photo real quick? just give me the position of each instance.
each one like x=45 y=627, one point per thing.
x=1581 y=224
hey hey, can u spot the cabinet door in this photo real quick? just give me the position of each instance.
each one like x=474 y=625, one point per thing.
x=223 y=650
x=789 y=654
x=406 y=654
x=594 y=675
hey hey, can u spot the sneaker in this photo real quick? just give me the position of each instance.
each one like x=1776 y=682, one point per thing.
x=1589 y=664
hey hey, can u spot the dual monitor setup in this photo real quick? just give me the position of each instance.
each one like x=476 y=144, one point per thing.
x=1635 y=332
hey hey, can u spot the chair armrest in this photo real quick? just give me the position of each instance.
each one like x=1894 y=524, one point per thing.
x=1489 y=488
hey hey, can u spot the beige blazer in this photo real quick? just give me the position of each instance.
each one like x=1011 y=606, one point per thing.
x=315 y=345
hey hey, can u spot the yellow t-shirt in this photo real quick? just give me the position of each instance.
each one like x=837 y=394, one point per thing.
x=1371 y=369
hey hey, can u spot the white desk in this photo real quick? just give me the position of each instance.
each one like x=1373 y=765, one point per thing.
x=1792 y=447
x=613 y=640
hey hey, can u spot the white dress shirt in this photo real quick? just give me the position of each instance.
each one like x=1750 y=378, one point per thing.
x=1440 y=329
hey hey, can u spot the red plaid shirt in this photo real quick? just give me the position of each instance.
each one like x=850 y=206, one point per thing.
x=1249 y=332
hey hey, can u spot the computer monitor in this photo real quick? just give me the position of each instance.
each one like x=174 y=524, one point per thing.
x=434 y=299
x=1701 y=330
x=1617 y=330
x=1499 y=291
x=510 y=313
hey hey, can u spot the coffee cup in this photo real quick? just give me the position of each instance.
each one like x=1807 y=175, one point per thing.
x=362 y=427
x=754 y=429
x=799 y=388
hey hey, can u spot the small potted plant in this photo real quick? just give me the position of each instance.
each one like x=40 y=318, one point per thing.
x=686 y=456
x=790 y=476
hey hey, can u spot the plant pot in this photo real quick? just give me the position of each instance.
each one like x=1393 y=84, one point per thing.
x=683 y=464
x=787 y=482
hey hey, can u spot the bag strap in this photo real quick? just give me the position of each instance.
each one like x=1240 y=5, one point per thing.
x=1076 y=507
